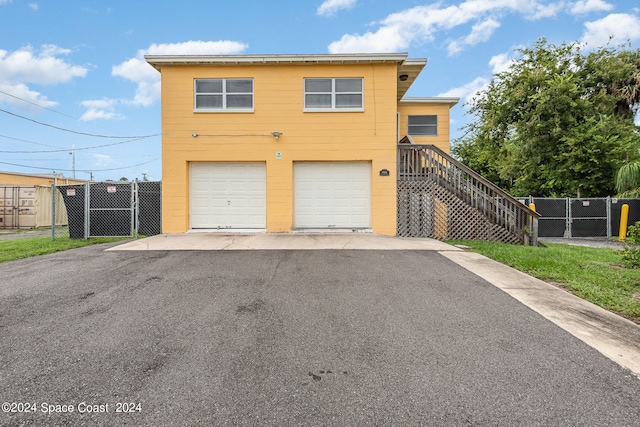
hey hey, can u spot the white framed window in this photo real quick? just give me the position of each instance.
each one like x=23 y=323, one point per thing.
x=422 y=125
x=333 y=94
x=223 y=94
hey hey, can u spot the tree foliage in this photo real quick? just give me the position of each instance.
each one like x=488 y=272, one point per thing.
x=558 y=122
x=628 y=180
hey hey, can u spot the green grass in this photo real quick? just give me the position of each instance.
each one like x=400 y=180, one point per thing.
x=21 y=230
x=594 y=274
x=33 y=246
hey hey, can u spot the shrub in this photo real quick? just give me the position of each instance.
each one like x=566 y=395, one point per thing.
x=631 y=252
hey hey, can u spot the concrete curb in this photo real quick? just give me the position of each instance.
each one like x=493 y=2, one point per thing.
x=612 y=335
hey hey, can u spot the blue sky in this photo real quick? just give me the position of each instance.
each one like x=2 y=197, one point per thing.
x=72 y=73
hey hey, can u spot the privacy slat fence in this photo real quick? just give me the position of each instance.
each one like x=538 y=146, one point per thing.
x=441 y=198
x=109 y=209
x=582 y=217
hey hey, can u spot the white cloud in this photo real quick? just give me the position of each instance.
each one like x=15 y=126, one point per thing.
x=620 y=26
x=500 y=63
x=147 y=78
x=27 y=65
x=23 y=92
x=479 y=33
x=467 y=91
x=33 y=6
x=583 y=7
x=420 y=24
x=5 y=1
x=100 y=109
x=95 y=114
x=197 y=47
x=330 y=7
x=100 y=103
x=136 y=69
x=139 y=71
x=546 y=11
x=103 y=159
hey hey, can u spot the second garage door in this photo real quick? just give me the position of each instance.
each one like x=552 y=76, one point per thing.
x=332 y=195
x=228 y=195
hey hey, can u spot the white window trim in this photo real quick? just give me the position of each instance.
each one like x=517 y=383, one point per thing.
x=333 y=108
x=224 y=108
x=413 y=134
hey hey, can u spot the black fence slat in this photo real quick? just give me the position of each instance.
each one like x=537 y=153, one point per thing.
x=616 y=211
x=587 y=217
x=74 y=200
x=149 y=208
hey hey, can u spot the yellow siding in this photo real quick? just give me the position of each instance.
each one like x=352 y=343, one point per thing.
x=420 y=108
x=278 y=106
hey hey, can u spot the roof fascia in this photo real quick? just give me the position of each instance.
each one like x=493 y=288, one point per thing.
x=157 y=61
x=431 y=100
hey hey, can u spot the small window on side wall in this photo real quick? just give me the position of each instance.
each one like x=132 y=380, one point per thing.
x=223 y=95
x=423 y=125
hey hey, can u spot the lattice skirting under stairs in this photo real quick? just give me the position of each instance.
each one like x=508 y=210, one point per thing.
x=426 y=209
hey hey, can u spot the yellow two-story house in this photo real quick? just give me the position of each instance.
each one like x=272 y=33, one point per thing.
x=279 y=143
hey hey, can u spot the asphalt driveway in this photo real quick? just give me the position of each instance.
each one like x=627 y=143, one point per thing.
x=282 y=337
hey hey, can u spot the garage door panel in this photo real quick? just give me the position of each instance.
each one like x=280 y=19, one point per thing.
x=332 y=195
x=228 y=195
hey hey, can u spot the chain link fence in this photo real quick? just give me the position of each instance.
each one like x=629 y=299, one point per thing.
x=108 y=209
x=582 y=217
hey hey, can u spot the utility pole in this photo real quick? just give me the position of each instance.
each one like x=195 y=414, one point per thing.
x=144 y=176
x=73 y=159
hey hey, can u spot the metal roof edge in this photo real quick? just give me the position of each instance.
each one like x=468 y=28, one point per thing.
x=431 y=100
x=275 y=59
x=39 y=175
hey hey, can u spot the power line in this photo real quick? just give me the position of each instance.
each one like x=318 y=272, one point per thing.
x=38 y=105
x=80 y=170
x=28 y=142
x=73 y=131
x=45 y=108
x=76 y=149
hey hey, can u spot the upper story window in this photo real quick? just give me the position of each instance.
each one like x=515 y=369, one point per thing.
x=224 y=94
x=423 y=125
x=333 y=94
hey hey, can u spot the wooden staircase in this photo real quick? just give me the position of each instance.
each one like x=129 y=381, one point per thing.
x=439 y=197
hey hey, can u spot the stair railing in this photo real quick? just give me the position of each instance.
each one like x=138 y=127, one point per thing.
x=428 y=162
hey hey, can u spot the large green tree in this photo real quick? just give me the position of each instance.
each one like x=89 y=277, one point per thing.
x=558 y=122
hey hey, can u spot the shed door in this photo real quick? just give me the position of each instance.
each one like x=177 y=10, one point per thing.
x=332 y=194
x=228 y=195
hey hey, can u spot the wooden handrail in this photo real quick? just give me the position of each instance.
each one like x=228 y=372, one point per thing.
x=466 y=170
x=426 y=161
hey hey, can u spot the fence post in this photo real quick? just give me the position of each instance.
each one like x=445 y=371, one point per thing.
x=53 y=211
x=609 y=233
x=569 y=219
x=87 y=201
x=136 y=205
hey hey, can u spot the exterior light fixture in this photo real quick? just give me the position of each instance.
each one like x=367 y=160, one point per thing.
x=403 y=77
x=276 y=134
x=195 y=135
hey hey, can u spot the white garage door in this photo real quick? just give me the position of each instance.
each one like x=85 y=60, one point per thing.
x=332 y=194
x=228 y=195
